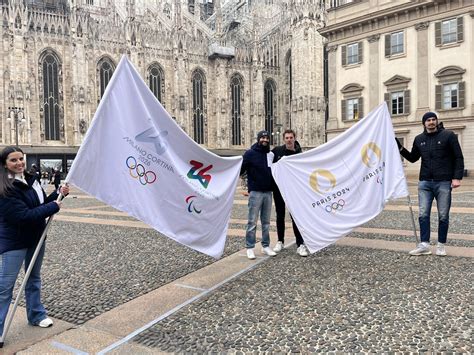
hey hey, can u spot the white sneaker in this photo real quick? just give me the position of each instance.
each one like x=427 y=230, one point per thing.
x=422 y=249
x=268 y=251
x=250 y=254
x=440 y=249
x=302 y=251
x=278 y=247
x=45 y=323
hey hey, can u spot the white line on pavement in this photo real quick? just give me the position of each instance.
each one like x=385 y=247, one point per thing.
x=191 y=287
x=177 y=308
x=68 y=348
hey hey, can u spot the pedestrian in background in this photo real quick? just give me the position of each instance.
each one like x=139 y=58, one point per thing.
x=56 y=178
x=44 y=179
x=34 y=171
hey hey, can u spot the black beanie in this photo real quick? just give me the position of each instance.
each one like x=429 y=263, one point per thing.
x=428 y=115
x=262 y=134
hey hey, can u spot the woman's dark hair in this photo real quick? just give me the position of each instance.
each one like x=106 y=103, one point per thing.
x=6 y=183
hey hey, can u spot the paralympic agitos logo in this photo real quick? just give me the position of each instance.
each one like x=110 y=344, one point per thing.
x=191 y=206
x=371 y=155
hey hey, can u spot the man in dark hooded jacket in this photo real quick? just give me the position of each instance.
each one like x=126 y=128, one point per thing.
x=290 y=147
x=442 y=168
x=259 y=181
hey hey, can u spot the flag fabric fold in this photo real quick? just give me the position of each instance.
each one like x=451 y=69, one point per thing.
x=344 y=183
x=138 y=160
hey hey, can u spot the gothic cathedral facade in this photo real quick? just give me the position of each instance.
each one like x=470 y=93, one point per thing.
x=223 y=69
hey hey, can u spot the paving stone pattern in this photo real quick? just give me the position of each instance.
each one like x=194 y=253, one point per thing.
x=88 y=270
x=342 y=299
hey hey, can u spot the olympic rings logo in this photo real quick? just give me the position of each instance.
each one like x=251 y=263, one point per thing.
x=138 y=171
x=379 y=180
x=335 y=206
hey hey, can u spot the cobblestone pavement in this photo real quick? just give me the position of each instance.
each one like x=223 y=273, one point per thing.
x=348 y=299
x=342 y=299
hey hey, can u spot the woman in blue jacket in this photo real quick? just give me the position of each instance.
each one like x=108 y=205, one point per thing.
x=24 y=208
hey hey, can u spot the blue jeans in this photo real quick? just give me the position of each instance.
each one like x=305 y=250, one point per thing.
x=10 y=265
x=427 y=191
x=259 y=202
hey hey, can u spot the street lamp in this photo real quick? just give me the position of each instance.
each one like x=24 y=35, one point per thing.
x=16 y=113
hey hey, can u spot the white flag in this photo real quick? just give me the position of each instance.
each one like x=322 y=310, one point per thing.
x=138 y=160
x=344 y=183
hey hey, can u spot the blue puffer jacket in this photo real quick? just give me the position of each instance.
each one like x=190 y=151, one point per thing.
x=259 y=175
x=22 y=217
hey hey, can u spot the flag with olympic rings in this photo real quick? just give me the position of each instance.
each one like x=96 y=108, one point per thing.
x=137 y=159
x=342 y=184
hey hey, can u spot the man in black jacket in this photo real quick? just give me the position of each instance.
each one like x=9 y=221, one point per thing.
x=442 y=168
x=259 y=182
x=290 y=147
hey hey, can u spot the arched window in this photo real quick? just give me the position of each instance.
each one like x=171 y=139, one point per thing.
x=105 y=68
x=156 y=80
x=236 y=88
x=50 y=99
x=198 y=82
x=270 y=105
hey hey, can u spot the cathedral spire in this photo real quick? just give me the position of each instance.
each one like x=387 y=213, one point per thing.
x=130 y=4
x=314 y=10
x=218 y=10
x=178 y=14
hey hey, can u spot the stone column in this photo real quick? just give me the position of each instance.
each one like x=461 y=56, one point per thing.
x=221 y=107
x=332 y=87
x=422 y=69
x=258 y=100
x=374 y=72
x=471 y=104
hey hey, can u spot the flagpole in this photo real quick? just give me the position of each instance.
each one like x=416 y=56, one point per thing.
x=27 y=275
x=412 y=218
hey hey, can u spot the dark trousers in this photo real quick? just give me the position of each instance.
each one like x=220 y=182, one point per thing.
x=280 y=219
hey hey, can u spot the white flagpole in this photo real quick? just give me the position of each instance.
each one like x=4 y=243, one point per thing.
x=412 y=219
x=27 y=275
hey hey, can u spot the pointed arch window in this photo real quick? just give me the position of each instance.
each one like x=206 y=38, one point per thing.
x=50 y=100
x=236 y=87
x=18 y=22
x=105 y=68
x=156 y=81
x=198 y=81
x=270 y=105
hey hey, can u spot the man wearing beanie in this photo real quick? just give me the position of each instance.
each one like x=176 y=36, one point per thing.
x=259 y=181
x=442 y=168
